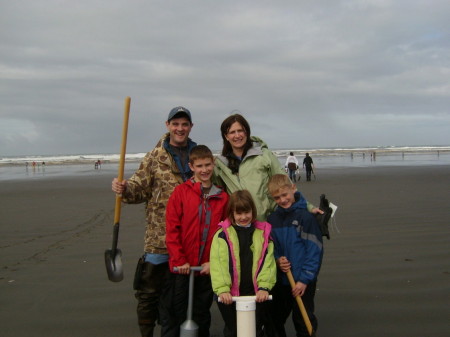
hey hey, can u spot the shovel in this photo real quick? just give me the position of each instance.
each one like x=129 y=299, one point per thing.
x=113 y=256
x=300 y=305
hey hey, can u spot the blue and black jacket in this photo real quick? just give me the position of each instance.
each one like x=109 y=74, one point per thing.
x=296 y=235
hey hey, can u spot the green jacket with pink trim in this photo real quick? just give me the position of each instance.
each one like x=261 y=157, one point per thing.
x=224 y=257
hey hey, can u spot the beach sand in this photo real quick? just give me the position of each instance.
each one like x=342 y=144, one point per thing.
x=386 y=273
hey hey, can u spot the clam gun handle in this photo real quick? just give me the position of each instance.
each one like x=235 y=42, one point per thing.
x=191 y=291
x=197 y=268
x=244 y=298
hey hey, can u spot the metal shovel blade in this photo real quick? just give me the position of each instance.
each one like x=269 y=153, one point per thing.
x=113 y=258
x=114 y=267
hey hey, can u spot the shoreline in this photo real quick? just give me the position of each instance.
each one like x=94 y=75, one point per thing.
x=280 y=153
x=74 y=168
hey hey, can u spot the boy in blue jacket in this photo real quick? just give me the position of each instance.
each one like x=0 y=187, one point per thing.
x=298 y=247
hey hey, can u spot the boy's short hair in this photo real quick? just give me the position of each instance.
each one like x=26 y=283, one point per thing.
x=241 y=201
x=278 y=181
x=200 y=152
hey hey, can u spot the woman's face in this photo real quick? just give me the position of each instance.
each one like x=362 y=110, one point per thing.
x=237 y=136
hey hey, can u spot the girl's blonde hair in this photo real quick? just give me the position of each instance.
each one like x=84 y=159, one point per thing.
x=240 y=202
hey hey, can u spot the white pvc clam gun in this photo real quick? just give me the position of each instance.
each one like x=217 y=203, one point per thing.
x=245 y=315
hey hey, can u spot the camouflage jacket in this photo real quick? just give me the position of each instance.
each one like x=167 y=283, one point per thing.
x=153 y=183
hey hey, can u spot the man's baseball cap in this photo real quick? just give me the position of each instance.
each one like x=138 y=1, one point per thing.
x=179 y=112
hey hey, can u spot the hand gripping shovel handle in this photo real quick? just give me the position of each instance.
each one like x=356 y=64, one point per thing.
x=300 y=304
x=113 y=259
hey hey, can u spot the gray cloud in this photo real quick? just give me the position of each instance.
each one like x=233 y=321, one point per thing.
x=304 y=73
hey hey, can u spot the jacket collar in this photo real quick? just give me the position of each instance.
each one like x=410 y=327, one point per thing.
x=215 y=190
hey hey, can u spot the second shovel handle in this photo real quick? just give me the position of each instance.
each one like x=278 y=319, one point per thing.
x=300 y=304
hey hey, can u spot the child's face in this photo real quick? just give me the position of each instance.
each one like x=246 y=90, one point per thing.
x=203 y=170
x=243 y=218
x=284 y=197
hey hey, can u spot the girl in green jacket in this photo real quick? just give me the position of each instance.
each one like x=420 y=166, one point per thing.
x=242 y=261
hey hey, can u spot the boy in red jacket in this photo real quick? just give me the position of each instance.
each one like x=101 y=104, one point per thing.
x=193 y=212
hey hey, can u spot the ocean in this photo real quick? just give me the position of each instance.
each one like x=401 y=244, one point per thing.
x=21 y=167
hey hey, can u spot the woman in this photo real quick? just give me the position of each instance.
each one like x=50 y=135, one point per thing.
x=246 y=163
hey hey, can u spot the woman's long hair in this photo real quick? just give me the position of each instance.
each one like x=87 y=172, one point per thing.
x=227 y=150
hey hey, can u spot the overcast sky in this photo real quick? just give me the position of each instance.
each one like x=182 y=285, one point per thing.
x=305 y=73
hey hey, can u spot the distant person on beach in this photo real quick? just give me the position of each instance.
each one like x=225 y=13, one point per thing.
x=161 y=170
x=246 y=163
x=292 y=166
x=98 y=164
x=298 y=248
x=308 y=165
x=242 y=262
x=193 y=213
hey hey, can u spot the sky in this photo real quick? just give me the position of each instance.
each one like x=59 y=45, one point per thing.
x=305 y=74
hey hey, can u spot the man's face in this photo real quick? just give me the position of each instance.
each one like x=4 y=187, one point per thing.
x=202 y=170
x=284 y=197
x=179 y=129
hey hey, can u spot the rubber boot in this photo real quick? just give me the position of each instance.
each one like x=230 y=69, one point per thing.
x=146 y=330
x=147 y=312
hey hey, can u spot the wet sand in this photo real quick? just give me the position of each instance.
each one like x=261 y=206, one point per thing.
x=385 y=274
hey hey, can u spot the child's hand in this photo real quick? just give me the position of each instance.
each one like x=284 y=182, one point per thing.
x=316 y=210
x=226 y=298
x=184 y=269
x=205 y=269
x=262 y=296
x=299 y=289
x=284 y=264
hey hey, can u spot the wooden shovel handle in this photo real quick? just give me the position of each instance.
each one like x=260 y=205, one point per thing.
x=300 y=304
x=123 y=148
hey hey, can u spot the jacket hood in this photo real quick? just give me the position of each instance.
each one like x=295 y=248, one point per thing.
x=258 y=142
x=225 y=224
x=196 y=186
x=257 y=224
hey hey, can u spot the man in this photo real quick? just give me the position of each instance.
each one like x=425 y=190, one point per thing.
x=308 y=164
x=161 y=170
